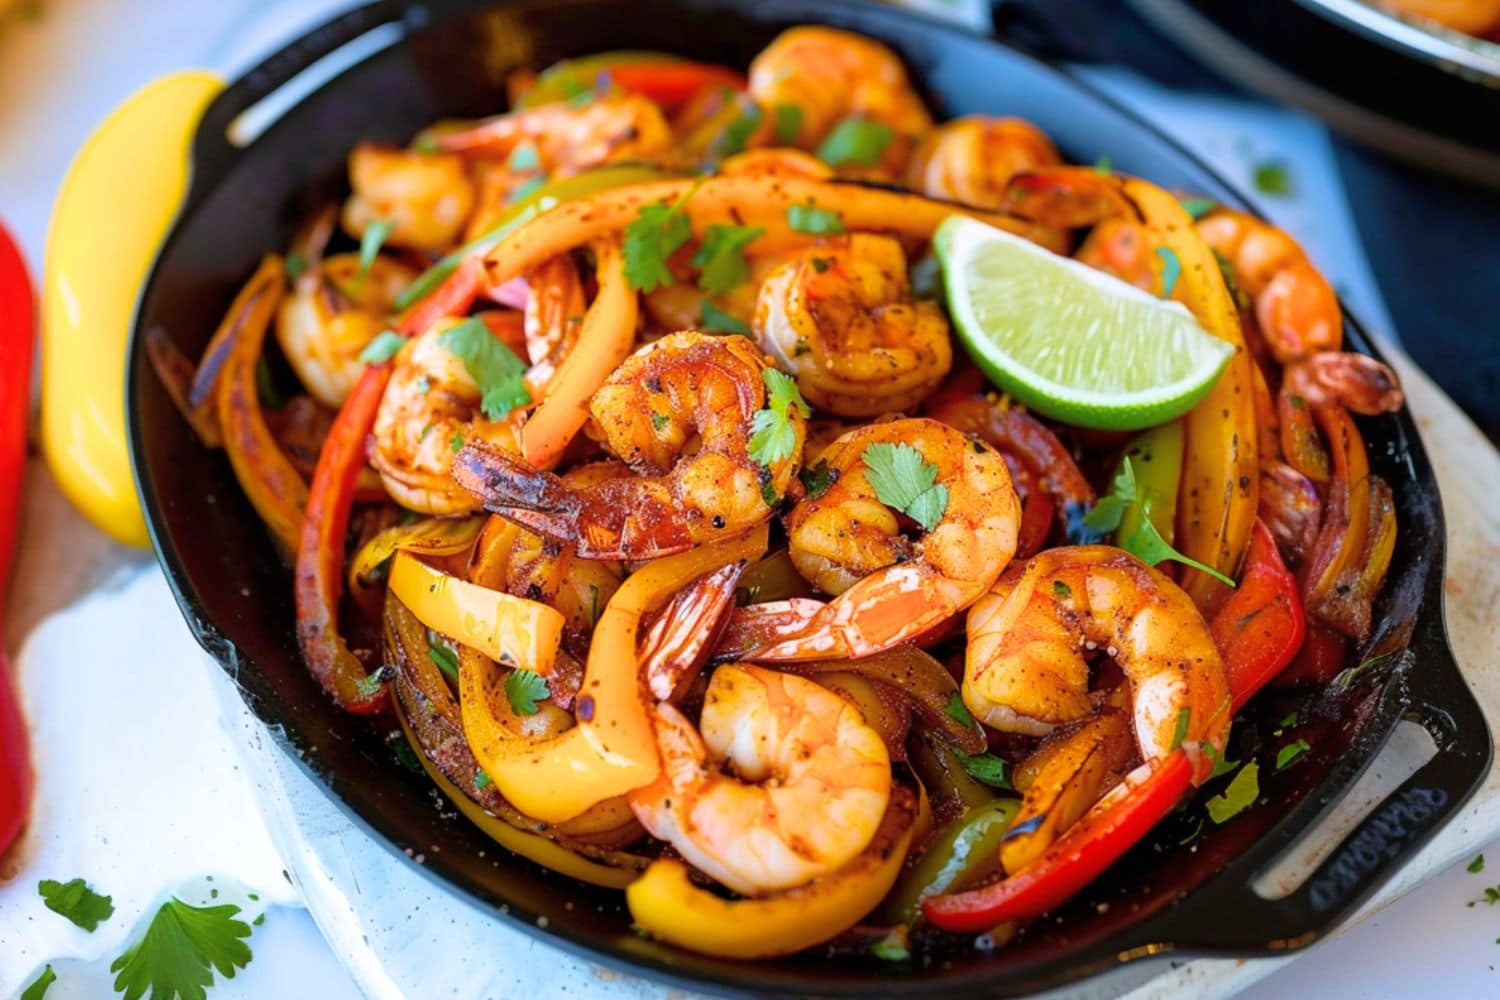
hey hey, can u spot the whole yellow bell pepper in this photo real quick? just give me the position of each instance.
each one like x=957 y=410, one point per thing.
x=666 y=905
x=612 y=750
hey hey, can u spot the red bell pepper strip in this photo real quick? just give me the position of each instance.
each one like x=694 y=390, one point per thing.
x=17 y=344
x=320 y=556
x=672 y=84
x=454 y=297
x=1260 y=626
x=1319 y=659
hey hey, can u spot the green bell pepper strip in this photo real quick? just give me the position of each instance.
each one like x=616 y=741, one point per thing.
x=958 y=855
x=1156 y=458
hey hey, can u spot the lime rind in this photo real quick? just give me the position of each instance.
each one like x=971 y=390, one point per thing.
x=1070 y=341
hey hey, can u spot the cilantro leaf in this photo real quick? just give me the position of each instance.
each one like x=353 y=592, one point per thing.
x=1061 y=590
x=903 y=480
x=76 y=901
x=445 y=659
x=179 y=952
x=1171 y=270
x=958 y=710
x=265 y=387
x=427 y=145
x=894 y=947
x=1272 y=177
x=382 y=348
x=1477 y=865
x=788 y=123
x=524 y=157
x=772 y=435
x=1104 y=165
x=482 y=781
x=1198 y=207
x=817 y=479
x=295 y=265
x=735 y=135
x=376 y=233
x=1287 y=721
x=1241 y=793
x=1291 y=752
x=37 y=988
x=855 y=140
x=524 y=688
x=1179 y=733
x=1222 y=766
x=1105 y=515
x=985 y=768
x=456 y=442
x=814 y=221
x=712 y=319
x=501 y=375
x=1145 y=543
x=721 y=258
x=401 y=749
x=656 y=232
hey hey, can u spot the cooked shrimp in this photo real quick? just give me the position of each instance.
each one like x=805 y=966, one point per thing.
x=1295 y=307
x=831 y=75
x=430 y=404
x=554 y=317
x=840 y=315
x=890 y=588
x=1026 y=667
x=569 y=139
x=972 y=159
x=426 y=196
x=679 y=306
x=331 y=315
x=1473 y=17
x=810 y=781
x=678 y=412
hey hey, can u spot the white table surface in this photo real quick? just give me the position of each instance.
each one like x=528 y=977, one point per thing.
x=61 y=73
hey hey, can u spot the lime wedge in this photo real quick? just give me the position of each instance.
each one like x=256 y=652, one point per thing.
x=1069 y=341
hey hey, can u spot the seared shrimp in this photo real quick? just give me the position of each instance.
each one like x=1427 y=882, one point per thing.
x=831 y=75
x=679 y=413
x=1295 y=307
x=426 y=196
x=809 y=788
x=554 y=316
x=840 y=315
x=1472 y=17
x=431 y=404
x=891 y=589
x=1026 y=667
x=972 y=159
x=568 y=139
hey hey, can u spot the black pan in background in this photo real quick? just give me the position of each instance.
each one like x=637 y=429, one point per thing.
x=449 y=58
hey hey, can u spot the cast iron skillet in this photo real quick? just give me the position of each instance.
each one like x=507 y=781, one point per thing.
x=450 y=58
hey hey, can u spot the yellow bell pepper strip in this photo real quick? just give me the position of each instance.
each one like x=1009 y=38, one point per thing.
x=667 y=905
x=604 y=341
x=612 y=750
x=957 y=856
x=93 y=277
x=175 y=371
x=508 y=629
x=270 y=481
x=429 y=536
x=319 y=574
x=666 y=79
x=1156 y=459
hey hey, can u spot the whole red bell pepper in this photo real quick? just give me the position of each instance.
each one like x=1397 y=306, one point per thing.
x=17 y=344
x=1258 y=629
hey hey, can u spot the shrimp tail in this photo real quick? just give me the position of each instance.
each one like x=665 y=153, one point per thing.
x=535 y=500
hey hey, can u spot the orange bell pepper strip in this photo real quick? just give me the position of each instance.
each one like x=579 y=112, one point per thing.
x=320 y=552
x=612 y=750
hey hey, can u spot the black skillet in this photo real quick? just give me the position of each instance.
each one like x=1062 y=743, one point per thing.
x=450 y=58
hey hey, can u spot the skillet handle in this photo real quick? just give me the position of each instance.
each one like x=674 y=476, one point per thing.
x=214 y=148
x=1227 y=915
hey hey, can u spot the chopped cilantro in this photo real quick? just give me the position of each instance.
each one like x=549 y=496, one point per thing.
x=1061 y=590
x=1146 y=542
x=37 y=988
x=180 y=950
x=1239 y=795
x=1222 y=766
x=1184 y=716
x=295 y=265
x=1272 y=177
x=737 y=132
x=721 y=258
x=445 y=659
x=894 y=947
x=481 y=781
x=524 y=688
x=788 y=123
x=1198 y=207
x=773 y=436
x=1477 y=865
x=985 y=768
x=958 y=710
x=855 y=140
x=712 y=319
x=656 y=232
x=1171 y=270
x=456 y=442
x=1104 y=165
x=814 y=221
x=1290 y=719
x=817 y=479
x=659 y=420
x=376 y=233
x=76 y=901
x=524 y=157
x=903 y=480
x=382 y=348
x=426 y=145
x=1291 y=752
x=401 y=749
x=501 y=375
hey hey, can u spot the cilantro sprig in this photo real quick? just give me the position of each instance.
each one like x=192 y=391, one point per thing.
x=524 y=688
x=712 y=319
x=814 y=221
x=501 y=375
x=657 y=231
x=1240 y=794
x=37 y=988
x=375 y=235
x=721 y=258
x=903 y=480
x=181 y=950
x=984 y=768
x=1145 y=543
x=773 y=437
x=788 y=123
x=857 y=141
x=77 y=901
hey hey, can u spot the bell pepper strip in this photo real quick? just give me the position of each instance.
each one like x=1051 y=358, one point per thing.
x=612 y=750
x=667 y=905
x=604 y=341
x=960 y=854
x=271 y=482
x=453 y=297
x=1259 y=628
x=320 y=553
x=17 y=344
x=175 y=371
x=1321 y=657
x=510 y=630
x=666 y=79
x=429 y=536
x=1113 y=826
x=1156 y=459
